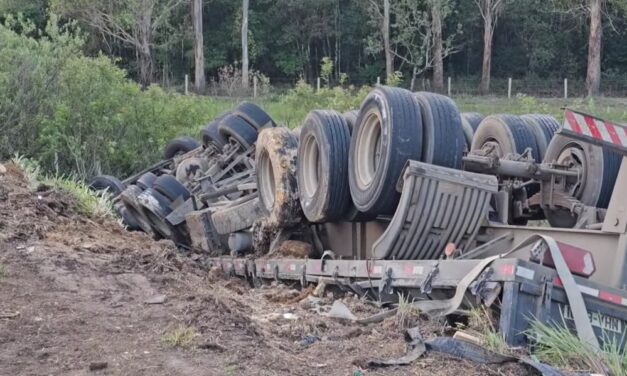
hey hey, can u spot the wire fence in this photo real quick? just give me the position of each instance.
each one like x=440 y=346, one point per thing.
x=453 y=86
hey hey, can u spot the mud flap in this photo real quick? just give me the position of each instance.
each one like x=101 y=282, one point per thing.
x=438 y=206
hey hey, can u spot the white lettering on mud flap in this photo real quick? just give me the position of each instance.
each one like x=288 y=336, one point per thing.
x=598 y=319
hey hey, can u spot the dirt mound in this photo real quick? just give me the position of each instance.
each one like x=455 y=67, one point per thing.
x=79 y=296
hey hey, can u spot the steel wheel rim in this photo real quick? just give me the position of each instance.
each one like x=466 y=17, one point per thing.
x=368 y=148
x=266 y=177
x=311 y=167
x=573 y=156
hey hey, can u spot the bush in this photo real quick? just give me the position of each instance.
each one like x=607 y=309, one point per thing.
x=82 y=116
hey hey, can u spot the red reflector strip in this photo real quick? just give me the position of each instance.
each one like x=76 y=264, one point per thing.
x=507 y=270
x=612 y=298
x=571 y=123
x=594 y=131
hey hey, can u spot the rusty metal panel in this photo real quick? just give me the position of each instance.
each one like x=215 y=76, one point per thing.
x=438 y=206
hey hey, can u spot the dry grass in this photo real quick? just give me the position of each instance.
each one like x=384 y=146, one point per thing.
x=184 y=337
x=481 y=321
x=407 y=315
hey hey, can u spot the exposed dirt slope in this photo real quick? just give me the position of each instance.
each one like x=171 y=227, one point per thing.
x=73 y=296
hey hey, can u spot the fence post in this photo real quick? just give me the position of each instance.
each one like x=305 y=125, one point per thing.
x=509 y=88
x=186 y=84
x=378 y=80
x=254 y=86
x=318 y=83
x=566 y=88
x=449 y=86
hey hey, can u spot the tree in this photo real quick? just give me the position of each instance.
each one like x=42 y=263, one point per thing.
x=436 y=30
x=490 y=11
x=593 y=74
x=199 y=52
x=382 y=18
x=245 y=43
x=133 y=22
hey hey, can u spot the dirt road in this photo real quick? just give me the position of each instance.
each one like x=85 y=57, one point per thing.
x=79 y=297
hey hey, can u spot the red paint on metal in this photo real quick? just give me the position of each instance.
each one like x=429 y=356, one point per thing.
x=579 y=261
x=570 y=118
x=611 y=129
x=609 y=297
x=507 y=270
x=594 y=131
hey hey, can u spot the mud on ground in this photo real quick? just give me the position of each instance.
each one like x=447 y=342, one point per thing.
x=79 y=297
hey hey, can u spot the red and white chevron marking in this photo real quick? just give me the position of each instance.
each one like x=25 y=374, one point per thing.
x=597 y=129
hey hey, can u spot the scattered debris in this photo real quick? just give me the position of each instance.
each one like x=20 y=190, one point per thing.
x=157 y=299
x=96 y=366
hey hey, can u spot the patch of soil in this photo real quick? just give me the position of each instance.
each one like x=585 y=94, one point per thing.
x=82 y=297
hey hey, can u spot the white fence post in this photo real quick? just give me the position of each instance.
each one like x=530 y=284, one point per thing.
x=378 y=80
x=318 y=83
x=566 y=88
x=509 y=88
x=186 y=84
x=449 y=86
x=254 y=86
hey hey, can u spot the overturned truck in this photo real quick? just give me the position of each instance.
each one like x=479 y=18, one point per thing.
x=407 y=196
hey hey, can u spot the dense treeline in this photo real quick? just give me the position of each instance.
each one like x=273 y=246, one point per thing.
x=287 y=39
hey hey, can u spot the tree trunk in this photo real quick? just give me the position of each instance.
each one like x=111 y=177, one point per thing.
x=245 y=43
x=436 y=28
x=488 y=31
x=144 y=52
x=389 y=58
x=199 y=52
x=593 y=77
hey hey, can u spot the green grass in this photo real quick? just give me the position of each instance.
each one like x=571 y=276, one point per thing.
x=88 y=203
x=559 y=347
x=3 y=271
x=408 y=314
x=480 y=320
x=184 y=337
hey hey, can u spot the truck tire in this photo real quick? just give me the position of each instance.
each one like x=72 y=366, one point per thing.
x=146 y=181
x=351 y=119
x=276 y=176
x=128 y=219
x=157 y=207
x=237 y=217
x=235 y=128
x=211 y=135
x=473 y=119
x=254 y=115
x=599 y=168
x=109 y=183
x=387 y=133
x=178 y=146
x=129 y=198
x=508 y=134
x=171 y=188
x=468 y=132
x=322 y=166
x=543 y=128
x=443 y=137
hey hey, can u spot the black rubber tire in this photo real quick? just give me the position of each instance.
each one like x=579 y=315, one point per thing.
x=129 y=198
x=473 y=118
x=237 y=217
x=322 y=166
x=157 y=207
x=509 y=132
x=237 y=129
x=602 y=163
x=468 y=133
x=211 y=135
x=146 y=181
x=109 y=183
x=443 y=140
x=400 y=141
x=351 y=119
x=180 y=145
x=277 y=184
x=128 y=219
x=171 y=188
x=543 y=128
x=254 y=115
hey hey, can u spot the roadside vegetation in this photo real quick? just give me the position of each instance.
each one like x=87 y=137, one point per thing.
x=95 y=206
